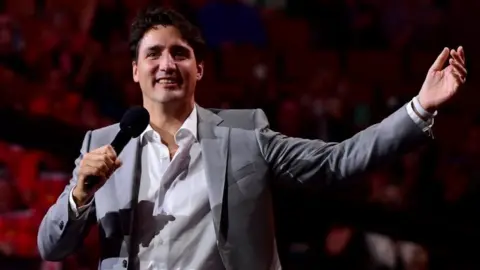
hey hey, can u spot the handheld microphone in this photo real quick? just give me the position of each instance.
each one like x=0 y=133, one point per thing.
x=133 y=123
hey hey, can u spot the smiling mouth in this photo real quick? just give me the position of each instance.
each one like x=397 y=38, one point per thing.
x=167 y=81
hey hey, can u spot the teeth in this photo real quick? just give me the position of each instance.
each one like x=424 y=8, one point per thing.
x=166 y=81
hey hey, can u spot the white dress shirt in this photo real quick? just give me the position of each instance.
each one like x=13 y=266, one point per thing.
x=175 y=223
x=179 y=231
x=181 y=222
x=420 y=116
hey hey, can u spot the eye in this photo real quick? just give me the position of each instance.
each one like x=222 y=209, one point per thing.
x=152 y=54
x=180 y=54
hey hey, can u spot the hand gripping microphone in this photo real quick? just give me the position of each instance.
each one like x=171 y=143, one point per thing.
x=133 y=123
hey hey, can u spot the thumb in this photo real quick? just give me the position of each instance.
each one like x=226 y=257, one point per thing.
x=440 y=61
x=118 y=163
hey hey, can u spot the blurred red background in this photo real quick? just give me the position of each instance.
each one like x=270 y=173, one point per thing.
x=319 y=68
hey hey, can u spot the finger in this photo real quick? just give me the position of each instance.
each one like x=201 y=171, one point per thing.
x=110 y=152
x=105 y=150
x=106 y=156
x=459 y=79
x=118 y=163
x=461 y=70
x=94 y=156
x=100 y=150
x=102 y=173
x=108 y=159
x=440 y=61
x=112 y=166
x=456 y=55
x=461 y=51
x=102 y=161
x=99 y=165
x=88 y=170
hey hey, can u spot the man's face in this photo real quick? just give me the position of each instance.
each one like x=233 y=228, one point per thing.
x=166 y=68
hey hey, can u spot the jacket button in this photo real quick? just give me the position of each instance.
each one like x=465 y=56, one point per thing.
x=61 y=225
x=124 y=263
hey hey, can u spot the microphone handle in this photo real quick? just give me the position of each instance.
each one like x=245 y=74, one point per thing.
x=119 y=142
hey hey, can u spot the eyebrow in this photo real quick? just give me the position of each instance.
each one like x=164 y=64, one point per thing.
x=155 y=48
x=159 y=48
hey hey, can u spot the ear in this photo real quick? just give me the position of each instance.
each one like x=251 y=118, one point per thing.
x=200 y=69
x=135 y=71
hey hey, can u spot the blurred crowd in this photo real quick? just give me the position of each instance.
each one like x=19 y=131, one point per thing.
x=320 y=69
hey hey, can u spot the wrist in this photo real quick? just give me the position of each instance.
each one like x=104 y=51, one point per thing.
x=430 y=108
x=80 y=197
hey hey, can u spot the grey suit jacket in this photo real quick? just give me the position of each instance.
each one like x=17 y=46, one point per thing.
x=242 y=156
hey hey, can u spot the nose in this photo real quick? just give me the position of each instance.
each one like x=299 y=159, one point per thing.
x=166 y=63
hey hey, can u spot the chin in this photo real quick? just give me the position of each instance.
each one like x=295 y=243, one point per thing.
x=168 y=96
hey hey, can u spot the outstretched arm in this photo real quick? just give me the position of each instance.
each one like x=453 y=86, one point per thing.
x=310 y=160
x=316 y=160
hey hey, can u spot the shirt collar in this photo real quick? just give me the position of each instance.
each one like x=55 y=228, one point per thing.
x=188 y=128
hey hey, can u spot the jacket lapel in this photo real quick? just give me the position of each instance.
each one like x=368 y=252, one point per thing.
x=127 y=174
x=214 y=143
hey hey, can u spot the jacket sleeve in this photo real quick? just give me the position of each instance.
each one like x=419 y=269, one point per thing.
x=61 y=231
x=318 y=162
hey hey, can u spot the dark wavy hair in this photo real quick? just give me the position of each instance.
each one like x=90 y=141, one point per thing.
x=152 y=16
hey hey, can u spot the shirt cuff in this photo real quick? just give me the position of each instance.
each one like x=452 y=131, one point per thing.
x=420 y=116
x=77 y=211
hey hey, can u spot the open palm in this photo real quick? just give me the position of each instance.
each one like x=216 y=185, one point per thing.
x=441 y=84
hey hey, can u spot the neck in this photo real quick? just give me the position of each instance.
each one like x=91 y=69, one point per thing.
x=167 y=119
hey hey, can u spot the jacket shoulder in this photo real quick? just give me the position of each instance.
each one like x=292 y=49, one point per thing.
x=242 y=118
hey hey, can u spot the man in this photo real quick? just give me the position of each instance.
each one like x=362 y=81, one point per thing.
x=201 y=178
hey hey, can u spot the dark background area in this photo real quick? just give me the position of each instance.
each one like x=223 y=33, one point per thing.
x=321 y=69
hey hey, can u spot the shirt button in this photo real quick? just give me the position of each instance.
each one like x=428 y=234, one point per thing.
x=124 y=263
x=61 y=225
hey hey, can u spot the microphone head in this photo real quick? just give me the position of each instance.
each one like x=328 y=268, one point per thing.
x=135 y=121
